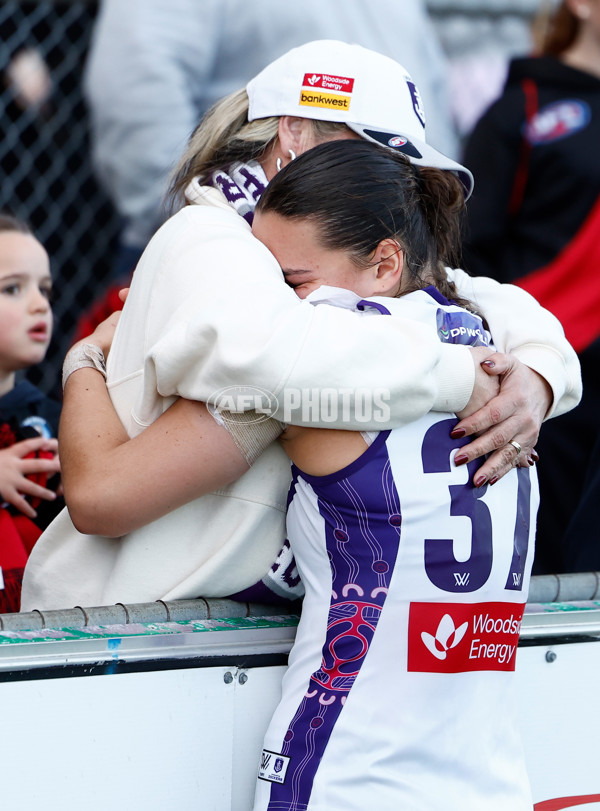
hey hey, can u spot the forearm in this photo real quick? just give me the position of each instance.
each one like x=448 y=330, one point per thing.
x=89 y=433
x=114 y=484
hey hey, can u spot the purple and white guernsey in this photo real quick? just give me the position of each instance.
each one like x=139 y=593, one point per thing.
x=399 y=691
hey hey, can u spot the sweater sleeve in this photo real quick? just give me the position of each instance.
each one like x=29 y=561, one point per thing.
x=220 y=315
x=522 y=326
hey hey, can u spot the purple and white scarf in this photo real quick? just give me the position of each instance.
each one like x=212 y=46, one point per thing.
x=242 y=184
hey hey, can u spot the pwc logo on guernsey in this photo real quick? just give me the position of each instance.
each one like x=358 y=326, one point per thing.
x=329 y=92
x=461 y=637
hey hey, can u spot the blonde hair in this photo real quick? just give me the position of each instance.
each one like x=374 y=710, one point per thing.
x=224 y=136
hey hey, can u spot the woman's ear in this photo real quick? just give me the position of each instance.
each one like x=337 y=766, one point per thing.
x=388 y=264
x=296 y=135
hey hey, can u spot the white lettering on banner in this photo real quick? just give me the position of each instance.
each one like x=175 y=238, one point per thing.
x=502 y=653
x=344 y=84
x=490 y=625
x=337 y=81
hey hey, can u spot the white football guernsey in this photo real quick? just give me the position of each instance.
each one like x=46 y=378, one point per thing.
x=399 y=692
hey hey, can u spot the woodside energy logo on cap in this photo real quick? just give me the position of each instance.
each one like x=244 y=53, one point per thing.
x=329 y=92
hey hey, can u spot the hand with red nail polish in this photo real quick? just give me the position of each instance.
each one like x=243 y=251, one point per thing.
x=513 y=414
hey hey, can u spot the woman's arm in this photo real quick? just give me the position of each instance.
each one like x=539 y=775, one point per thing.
x=114 y=484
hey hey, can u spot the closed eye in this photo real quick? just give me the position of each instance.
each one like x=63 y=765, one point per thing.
x=296 y=278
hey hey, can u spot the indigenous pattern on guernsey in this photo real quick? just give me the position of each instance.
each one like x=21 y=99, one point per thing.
x=415 y=588
x=360 y=582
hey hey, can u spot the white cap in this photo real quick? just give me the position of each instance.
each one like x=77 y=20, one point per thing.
x=370 y=93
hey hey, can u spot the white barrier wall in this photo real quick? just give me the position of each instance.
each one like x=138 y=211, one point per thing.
x=188 y=736
x=560 y=712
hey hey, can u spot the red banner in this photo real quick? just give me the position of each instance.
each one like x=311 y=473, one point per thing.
x=460 y=637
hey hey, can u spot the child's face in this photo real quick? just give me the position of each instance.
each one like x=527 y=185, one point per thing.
x=25 y=314
x=306 y=265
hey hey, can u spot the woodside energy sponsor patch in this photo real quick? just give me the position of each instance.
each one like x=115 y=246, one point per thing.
x=326 y=91
x=459 y=637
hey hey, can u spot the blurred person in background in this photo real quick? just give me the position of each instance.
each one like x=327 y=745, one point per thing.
x=156 y=66
x=28 y=419
x=534 y=220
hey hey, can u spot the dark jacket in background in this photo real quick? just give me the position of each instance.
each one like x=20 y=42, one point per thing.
x=534 y=220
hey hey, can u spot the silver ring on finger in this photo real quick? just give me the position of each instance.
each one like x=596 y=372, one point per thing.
x=515 y=445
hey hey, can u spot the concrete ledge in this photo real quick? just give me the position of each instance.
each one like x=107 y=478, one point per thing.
x=565 y=588
x=124 y=614
x=552 y=588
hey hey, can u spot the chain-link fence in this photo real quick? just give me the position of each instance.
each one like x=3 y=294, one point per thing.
x=45 y=170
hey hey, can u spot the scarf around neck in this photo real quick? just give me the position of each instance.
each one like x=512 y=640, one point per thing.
x=242 y=184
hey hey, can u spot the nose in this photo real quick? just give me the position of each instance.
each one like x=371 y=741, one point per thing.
x=38 y=302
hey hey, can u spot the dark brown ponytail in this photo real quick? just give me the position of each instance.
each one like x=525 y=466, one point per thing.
x=443 y=204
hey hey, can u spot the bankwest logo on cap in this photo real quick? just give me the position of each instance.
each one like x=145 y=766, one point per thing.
x=461 y=637
x=327 y=92
x=373 y=95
